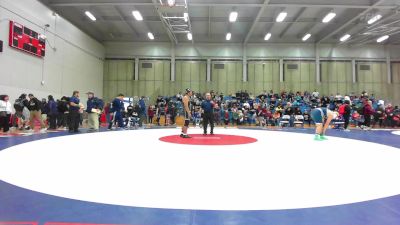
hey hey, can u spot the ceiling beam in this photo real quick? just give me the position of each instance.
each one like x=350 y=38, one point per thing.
x=373 y=38
x=308 y=5
x=297 y=17
x=120 y=15
x=371 y=7
x=253 y=26
x=360 y=35
x=209 y=21
x=165 y=26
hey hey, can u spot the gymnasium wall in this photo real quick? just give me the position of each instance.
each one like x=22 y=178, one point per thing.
x=73 y=61
x=263 y=69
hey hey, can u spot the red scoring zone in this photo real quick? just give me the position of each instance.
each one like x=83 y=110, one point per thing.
x=217 y=139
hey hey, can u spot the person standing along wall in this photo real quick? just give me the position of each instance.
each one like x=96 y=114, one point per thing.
x=74 y=116
x=52 y=113
x=94 y=108
x=5 y=113
x=34 y=107
x=117 y=107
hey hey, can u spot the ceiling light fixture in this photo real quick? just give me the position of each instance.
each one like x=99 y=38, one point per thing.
x=328 y=17
x=267 y=36
x=189 y=36
x=281 y=17
x=306 y=37
x=233 y=17
x=90 y=15
x=228 y=36
x=150 y=35
x=137 y=15
x=345 y=37
x=383 y=38
x=171 y=3
x=374 y=19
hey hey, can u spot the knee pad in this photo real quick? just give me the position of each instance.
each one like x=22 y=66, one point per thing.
x=187 y=123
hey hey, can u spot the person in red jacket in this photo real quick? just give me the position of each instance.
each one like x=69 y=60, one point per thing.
x=150 y=113
x=389 y=112
x=368 y=112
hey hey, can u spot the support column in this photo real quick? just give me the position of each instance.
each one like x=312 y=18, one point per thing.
x=173 y=63
x=317 y=66
x=244 y=64
x=136 y=75
x=388 y=67
x=208 y=70
x=281 y=70
x=353 y=66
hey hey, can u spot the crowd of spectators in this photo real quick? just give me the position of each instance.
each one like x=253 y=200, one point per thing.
x=242 y=108
x=268 y=108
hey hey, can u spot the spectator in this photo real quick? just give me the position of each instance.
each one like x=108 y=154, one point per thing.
x=389 y=112
x=117 y=108
x=94 y=108
x=5 y=113
x=52 y=113
x=368 y=112
x=35 y=107
x=379 y=115
x=150 y=113
x=63 y=112
x=74 y=115
x=44 y=109
x=21 y=111
x=346 y=112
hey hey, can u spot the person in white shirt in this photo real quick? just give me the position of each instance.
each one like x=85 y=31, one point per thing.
x=5 y=113
x=315 y=94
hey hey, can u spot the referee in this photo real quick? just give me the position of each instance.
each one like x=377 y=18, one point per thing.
x=208 y=114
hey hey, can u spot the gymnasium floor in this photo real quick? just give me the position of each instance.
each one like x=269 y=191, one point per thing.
x=237 y=177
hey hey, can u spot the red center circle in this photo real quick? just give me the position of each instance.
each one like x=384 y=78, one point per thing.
x=217 y=139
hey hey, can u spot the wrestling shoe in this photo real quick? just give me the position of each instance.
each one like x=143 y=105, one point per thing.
x=317 y=138
x=323 y=138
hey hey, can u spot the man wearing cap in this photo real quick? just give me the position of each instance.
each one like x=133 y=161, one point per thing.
x=186 y=113
x=94 y=108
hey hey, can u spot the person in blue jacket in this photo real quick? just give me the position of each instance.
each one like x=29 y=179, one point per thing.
x=52 y=112
x=94 y=108
x=74 y=117
x=117 y=107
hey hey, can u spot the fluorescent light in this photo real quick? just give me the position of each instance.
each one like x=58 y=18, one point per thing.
x=374 y=19
x=233 y=17
x=345 y=37
x=189 y=36
x=383 y=38
x=329 y=17
x=137 y=15
x=90 y=15
x=267 y=36
x=171 y=2
x=228 y=36
x=281 y=17
x=186 y=16
x=150 y=35
x=306 y=37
